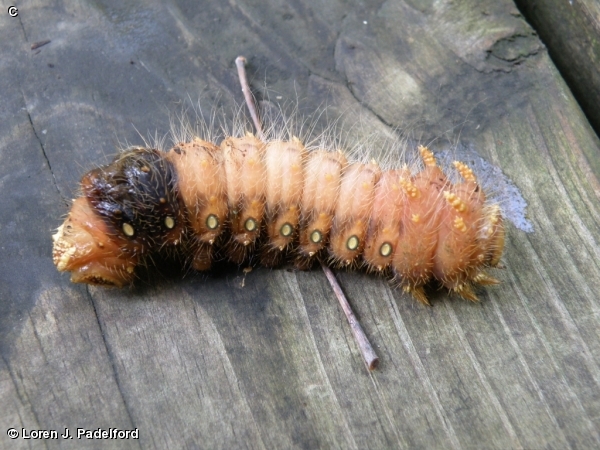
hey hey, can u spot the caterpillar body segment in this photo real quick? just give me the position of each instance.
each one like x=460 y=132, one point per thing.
x=284 y=161
x=322 y=177
x=353 y=212
x=201 y=183
x=244 y=160
x=280 y=201
x=386 y=221
x=413 y=260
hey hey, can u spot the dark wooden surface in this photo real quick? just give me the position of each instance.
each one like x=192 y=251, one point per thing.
x=571 y=31
x=202 y=362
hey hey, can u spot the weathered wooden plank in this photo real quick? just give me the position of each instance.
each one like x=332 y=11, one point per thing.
x=571 y=31
x=203 y=362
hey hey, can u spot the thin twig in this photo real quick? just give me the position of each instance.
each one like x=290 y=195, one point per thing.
x=368 y=354
x=240 y=62
x=370 y=357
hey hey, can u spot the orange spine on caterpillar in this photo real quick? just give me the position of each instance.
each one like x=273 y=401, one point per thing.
x=276 y=199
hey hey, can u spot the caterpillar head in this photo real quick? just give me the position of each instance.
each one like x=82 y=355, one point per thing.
x=128 y=208
x=84 y=246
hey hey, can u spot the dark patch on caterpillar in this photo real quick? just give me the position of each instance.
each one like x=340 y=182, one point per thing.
x=281 y=202
x=137 y=197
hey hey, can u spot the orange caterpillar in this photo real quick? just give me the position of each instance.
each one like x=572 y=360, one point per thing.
x=278 y=200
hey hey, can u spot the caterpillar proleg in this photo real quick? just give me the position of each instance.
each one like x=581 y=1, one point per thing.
x=252 y=195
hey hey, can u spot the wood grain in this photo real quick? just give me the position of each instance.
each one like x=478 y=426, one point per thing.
x=201 y=362
x=571 y=31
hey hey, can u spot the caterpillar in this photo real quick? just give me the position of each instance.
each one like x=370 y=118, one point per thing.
x=277 y=200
